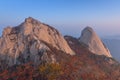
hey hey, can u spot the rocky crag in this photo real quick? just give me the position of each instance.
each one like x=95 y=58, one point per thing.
x=29 y=42
x=93 y=42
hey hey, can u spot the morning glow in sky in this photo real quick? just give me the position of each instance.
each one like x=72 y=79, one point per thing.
x=68 y=16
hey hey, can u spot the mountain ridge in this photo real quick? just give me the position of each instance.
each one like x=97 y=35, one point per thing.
x=27 y=42
x=36 y=51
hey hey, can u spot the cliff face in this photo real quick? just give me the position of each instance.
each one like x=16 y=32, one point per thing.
x=29 y=42
x=93 y=42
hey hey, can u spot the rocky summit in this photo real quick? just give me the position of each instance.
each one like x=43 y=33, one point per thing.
x=93 y=42
x=29 y=42
x=36 y=51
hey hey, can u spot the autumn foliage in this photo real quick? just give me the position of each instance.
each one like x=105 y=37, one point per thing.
x=51 y=71
x=82 y=66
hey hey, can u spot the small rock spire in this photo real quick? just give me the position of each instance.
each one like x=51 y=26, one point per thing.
x=29 y=19
x=32 y=20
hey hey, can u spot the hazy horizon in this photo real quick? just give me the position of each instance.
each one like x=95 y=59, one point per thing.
x=68 y=16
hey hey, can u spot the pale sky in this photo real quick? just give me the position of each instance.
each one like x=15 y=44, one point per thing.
x=68 y=16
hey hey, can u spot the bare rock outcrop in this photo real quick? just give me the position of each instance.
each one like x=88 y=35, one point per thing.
x=28 y=42
x=93 y=42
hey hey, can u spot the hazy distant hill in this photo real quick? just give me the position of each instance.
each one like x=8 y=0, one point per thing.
x=114 y=47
